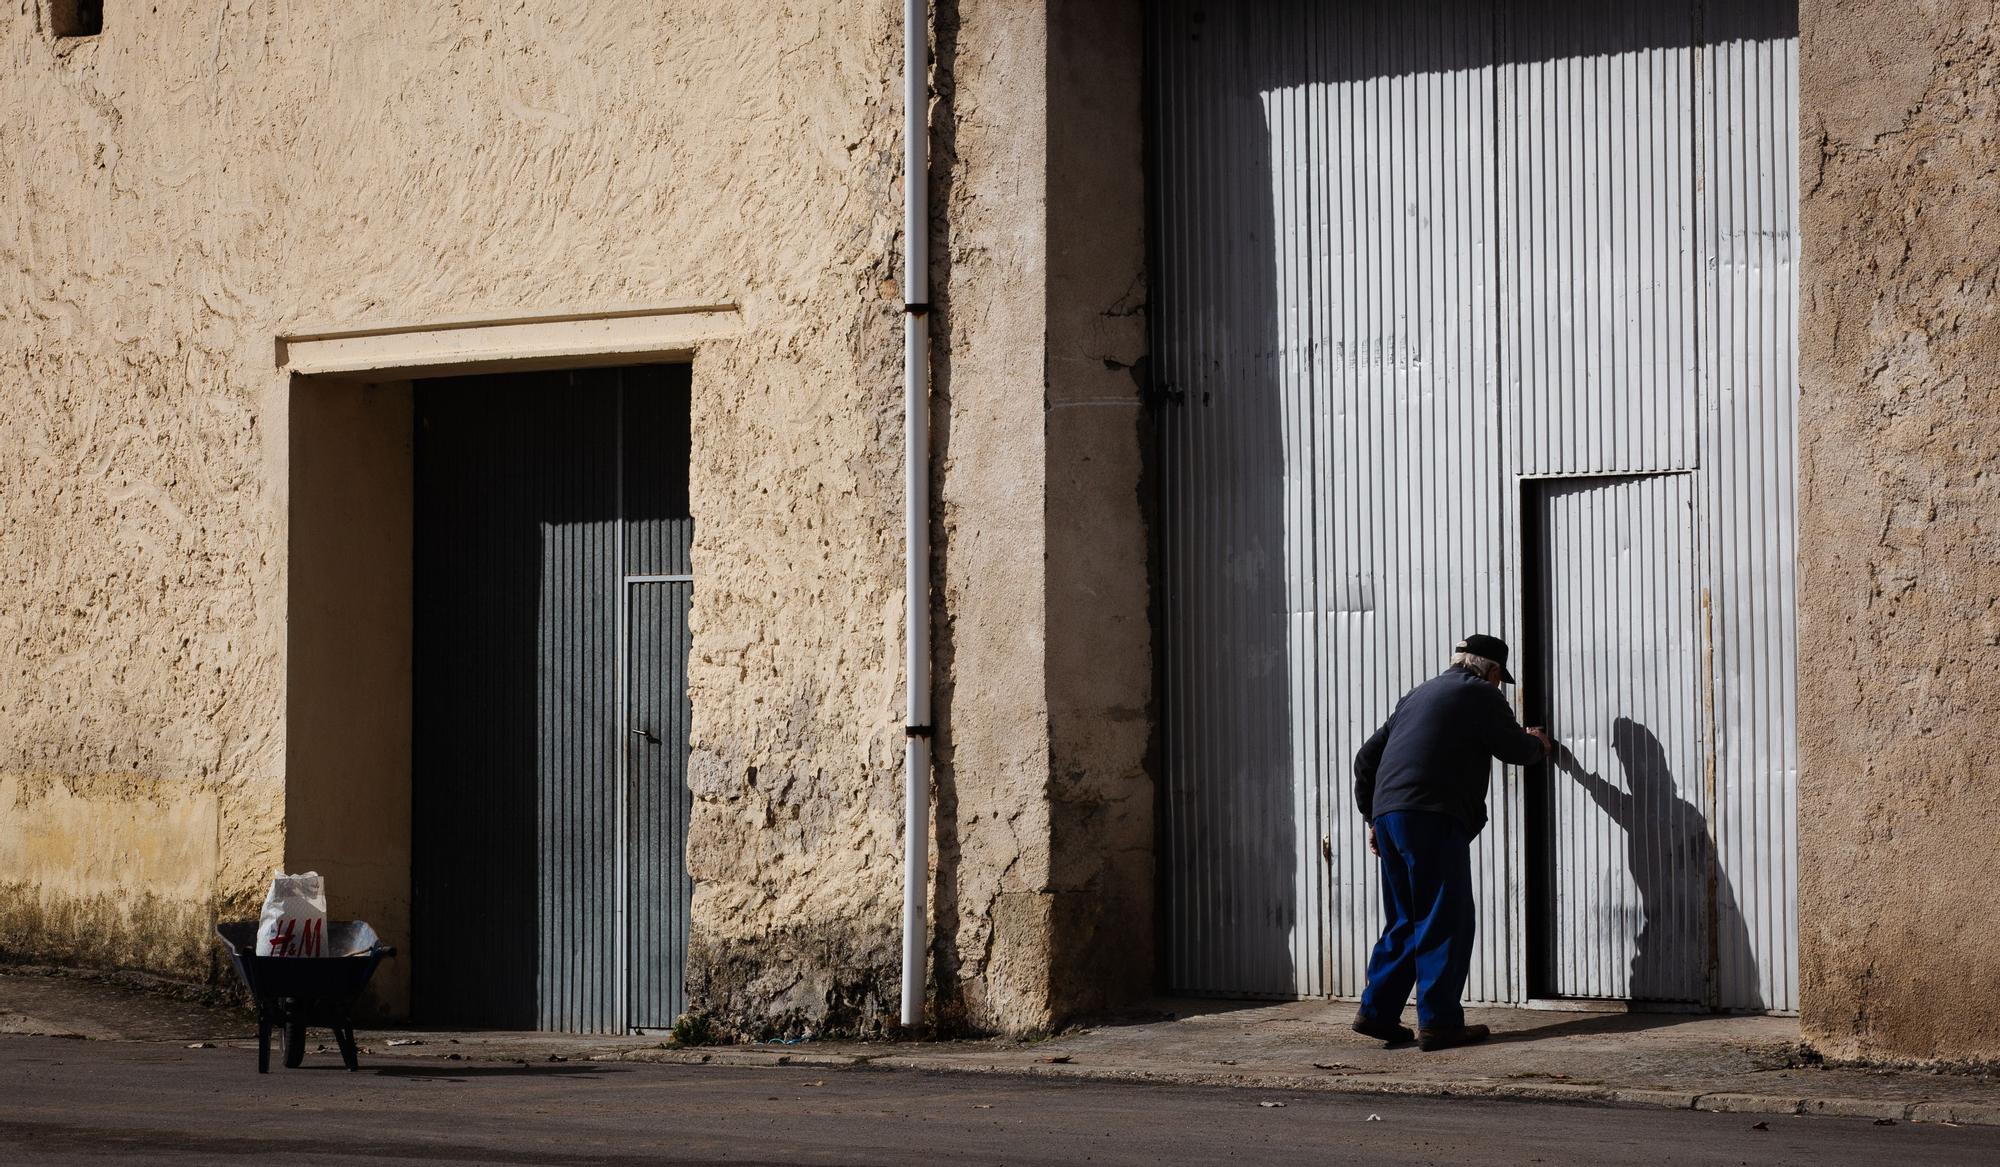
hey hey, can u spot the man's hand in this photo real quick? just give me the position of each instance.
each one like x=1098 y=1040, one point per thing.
x=1372 y=849
x=1541 y=735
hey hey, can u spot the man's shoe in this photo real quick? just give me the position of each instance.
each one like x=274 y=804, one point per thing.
x=1387 y=1031
x=1431 y=1039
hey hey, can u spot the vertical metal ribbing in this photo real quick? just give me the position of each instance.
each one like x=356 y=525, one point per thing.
x=1317 y=385
x=474 y=768
x=656 y=577
x=618 y=1008
x=1748 y=171
x=529 y=877
x=1630 y=820
x=1382 y=251
x=1604 y=274
x=575 y=430
x=659 y=894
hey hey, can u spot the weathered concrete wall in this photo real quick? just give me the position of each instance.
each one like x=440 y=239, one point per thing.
x=1899 y=605
x=1044 y=812
x=1100 y=666
x=199 y=179
x=105 y=869
x=992 y=907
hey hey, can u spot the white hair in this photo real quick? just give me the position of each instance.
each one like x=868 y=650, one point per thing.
x=1478 y=664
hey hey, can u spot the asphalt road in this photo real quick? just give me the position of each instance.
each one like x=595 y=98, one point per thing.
x=70 y=1101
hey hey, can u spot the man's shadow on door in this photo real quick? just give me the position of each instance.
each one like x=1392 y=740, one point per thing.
x=1671 y=857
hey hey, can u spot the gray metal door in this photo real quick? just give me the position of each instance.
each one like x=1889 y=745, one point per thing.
x=1410 y=260
x=657 y=801
x=549 y=885
x=1627 y=896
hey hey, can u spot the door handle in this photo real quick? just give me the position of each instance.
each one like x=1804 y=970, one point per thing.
x=648 y=734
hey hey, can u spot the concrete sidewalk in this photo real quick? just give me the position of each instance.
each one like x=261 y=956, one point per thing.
x=1679 y=1061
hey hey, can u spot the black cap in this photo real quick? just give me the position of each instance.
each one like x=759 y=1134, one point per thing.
x=1492 y=648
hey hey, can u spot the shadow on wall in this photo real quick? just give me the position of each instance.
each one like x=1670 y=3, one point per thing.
x=1228 y=823
x=1671 y=858
x=953 y=974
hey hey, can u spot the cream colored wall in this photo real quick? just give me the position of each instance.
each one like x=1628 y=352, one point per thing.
x=203 y=179
x=1045 y=806
x=200 y=179
x=1899 y=604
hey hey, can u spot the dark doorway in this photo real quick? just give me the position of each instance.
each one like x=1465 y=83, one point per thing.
x=552 y=590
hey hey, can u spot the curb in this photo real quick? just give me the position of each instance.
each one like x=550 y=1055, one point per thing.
x=1963 y=1113
x=725 y=1056
x=1718 y=1102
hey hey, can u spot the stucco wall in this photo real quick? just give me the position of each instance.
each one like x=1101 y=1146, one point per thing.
x=989 y=274
x=1899 y=605
x=1044 y=805
x=201 y=178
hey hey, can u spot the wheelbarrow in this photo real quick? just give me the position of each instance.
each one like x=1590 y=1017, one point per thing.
x=293 y=992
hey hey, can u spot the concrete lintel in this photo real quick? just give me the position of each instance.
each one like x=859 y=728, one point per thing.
x=466 y=346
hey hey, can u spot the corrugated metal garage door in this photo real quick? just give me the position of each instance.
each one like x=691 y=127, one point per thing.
x=551 y=638
x=1410 y=260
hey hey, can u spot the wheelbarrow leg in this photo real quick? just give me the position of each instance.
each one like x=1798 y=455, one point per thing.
x=263 y=1041
x=295 y=1033
x=343 y=1032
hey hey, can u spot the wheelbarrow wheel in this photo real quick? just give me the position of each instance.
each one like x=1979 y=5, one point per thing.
x=295 y=1041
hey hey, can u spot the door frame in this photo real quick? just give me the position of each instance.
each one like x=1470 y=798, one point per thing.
x=343 y=398
x=1538 y=851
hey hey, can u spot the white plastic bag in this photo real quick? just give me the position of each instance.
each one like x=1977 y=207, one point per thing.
x=294 y=919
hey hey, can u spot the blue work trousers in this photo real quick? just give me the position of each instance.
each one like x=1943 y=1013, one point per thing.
x=1427 y=896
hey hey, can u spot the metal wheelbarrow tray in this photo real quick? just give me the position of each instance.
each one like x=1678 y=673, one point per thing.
x=293 y=992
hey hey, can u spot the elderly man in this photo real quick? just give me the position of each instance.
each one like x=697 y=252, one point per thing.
x=1420 y=781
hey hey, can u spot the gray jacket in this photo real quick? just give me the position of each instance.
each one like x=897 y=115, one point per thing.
x=1436 y=751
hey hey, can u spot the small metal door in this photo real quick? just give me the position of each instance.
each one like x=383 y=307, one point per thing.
x=1627 y=858
x=655 y=433
x=657 y=889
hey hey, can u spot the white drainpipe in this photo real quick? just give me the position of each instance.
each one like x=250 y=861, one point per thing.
x=916 y=503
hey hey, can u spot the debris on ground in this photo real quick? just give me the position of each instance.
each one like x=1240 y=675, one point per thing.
x=201 y=1045
x=1057 y=1060
x=1270 y=1105
x=396 y=1041
x=1760 y=1126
